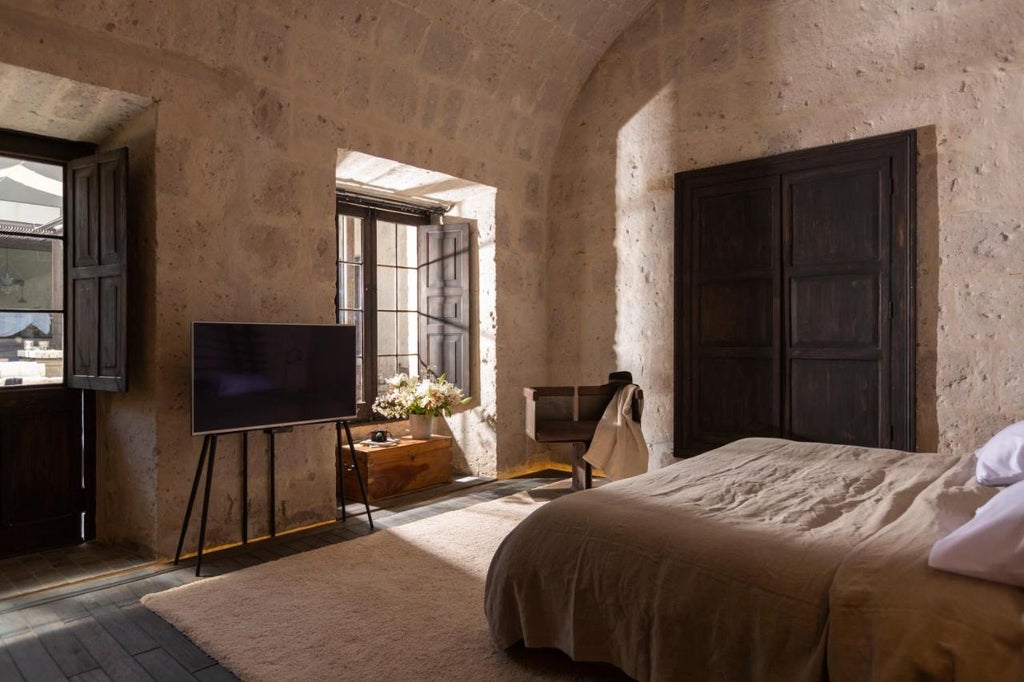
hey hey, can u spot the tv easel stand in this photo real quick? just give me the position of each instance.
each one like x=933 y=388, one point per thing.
x=208 y=454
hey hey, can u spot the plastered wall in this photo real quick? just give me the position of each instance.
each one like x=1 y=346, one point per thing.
x=253 y=100
x=697 y=83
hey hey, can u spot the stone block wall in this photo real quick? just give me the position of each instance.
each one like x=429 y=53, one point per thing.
x=697 y=83
x=253 y=100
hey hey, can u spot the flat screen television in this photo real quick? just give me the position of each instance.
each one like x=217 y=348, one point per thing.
x=256 y=376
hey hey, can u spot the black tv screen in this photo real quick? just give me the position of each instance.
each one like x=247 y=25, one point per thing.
x=254 y=376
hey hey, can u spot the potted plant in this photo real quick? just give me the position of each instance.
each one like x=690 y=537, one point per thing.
x=419 y=400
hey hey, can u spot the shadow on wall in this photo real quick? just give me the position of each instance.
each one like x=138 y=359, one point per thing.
x=623 y=142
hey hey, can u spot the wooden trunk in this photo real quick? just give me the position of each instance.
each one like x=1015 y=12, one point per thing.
x=404 y=468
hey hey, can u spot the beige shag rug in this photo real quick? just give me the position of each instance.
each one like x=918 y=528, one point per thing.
x=402 y=604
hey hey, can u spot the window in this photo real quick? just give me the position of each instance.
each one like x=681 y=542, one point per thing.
x=378 y=291
x=45 y=185
x=404 y=282
x=31 y=272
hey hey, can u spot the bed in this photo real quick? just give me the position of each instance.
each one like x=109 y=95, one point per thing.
x=765 y=559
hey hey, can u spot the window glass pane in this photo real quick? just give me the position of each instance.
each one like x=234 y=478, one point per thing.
x=406 y=246
x=350 y=239
x=406 y=333
x=350 y=286
x=31 y=273
x=31 y=349
x=360 y=398
x=387 y=367
x=413 y=363
x=356 y=318
x=387 y=341
x=406 y=291
x=385 y=243
x=409 y=364
x=386 y=288
x=31 y=197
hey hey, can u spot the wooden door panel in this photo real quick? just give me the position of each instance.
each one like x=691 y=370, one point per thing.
x=83 y=217
x=835 y=217
x=736 y=229
x=735 y=398
x=732 y=371
x=839 y=311
x=109 y=325
x=835 y=401
x=38 y=463
x=444 y=303
x=736 y=313
x=97 y=273
x=45 y=474
x=835 y=270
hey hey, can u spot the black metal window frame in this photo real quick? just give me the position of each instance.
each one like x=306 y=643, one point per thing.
x=57 y=152
x=370 y=214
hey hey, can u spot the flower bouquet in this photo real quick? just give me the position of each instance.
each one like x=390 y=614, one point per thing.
x=419 y=399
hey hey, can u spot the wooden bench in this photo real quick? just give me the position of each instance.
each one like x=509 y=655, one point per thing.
x=570 y=414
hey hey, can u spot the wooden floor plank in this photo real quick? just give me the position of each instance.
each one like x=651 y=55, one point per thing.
x=8 y=671
x=162 y=666
x=115 y=595
x=12 y=622
x=173 y=642
x=119 y=625
x=91 y=676
x=65 y=648
x=31 y=657
x=116 y=662
x=215 y=673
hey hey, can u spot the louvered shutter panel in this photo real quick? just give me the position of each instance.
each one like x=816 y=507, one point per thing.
x=443 y=259
x=97 y=260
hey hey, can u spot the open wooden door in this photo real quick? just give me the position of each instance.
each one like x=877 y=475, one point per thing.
x=444 y=316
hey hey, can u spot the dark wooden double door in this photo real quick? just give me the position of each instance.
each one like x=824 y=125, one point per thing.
x=794 y=298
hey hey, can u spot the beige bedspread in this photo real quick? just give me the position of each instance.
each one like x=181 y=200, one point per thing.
x=894 y=618
x=714 y=568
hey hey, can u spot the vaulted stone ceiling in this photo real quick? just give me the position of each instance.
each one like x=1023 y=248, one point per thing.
x=500 y=64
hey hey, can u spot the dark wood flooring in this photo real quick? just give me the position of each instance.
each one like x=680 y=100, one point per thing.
x=97 y=630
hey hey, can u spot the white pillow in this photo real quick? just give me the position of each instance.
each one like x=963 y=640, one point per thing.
x=991 y=545
x=1001 y=459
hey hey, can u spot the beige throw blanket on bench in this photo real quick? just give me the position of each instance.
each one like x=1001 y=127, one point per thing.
x=618 y=448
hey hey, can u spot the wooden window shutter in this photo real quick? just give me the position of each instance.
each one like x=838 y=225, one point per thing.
x=444 y=316
x=97 y=242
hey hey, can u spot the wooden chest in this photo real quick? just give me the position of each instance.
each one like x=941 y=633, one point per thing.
x=404 y=468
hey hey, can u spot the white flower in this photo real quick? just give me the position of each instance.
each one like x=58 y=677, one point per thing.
x=407 y=395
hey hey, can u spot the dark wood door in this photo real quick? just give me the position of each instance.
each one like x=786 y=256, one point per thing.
x=836 y=282
x=794 y=297
x=733 y=309
x=47 y=468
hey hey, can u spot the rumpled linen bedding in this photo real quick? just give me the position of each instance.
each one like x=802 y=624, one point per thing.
x=721 y=567
x=894 y=618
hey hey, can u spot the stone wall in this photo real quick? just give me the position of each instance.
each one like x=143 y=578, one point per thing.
x=699 y=83
x=253 y=102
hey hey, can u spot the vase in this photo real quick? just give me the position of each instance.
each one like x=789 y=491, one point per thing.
x=420 y=426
